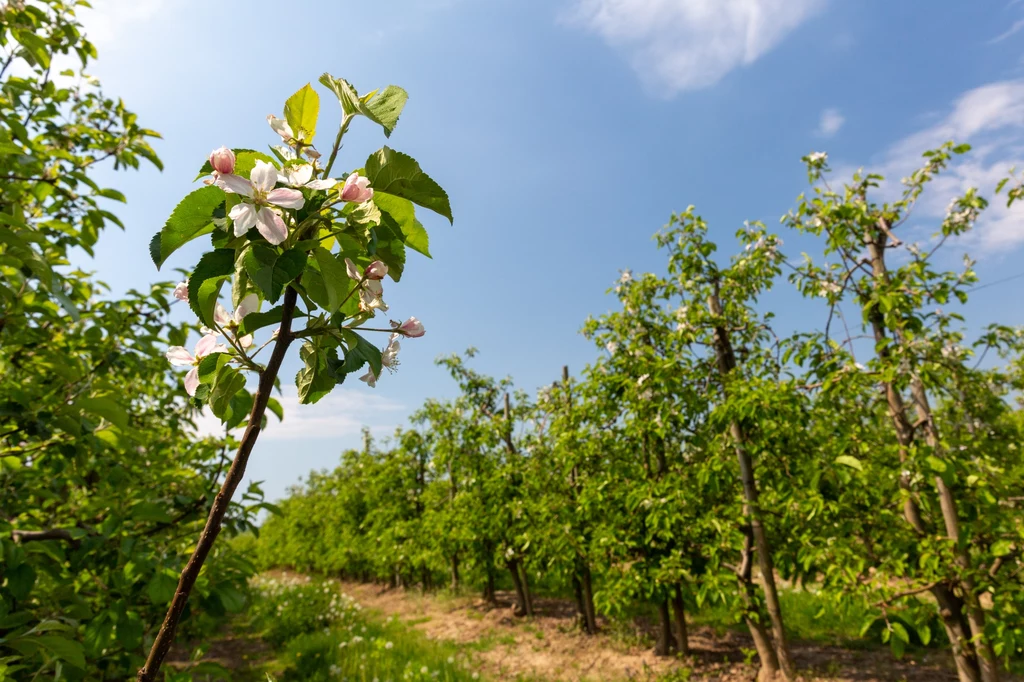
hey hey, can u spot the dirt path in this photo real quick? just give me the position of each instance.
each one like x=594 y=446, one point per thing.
x=548 y=647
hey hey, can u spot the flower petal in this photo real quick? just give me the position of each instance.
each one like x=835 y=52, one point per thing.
x=325 y=183
x=192 y=381
x=249 y=304
x=179 y=356
x=280 y=127
x=370 y=380
x=244 y=217
x=235 y=184
x=286 y=198
x=263 y=176
x=271 y=226
x=245 y=341
x=298 y=175
x=206 y=345
x=353 y=271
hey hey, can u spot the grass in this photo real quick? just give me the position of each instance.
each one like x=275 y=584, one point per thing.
x=321 y=635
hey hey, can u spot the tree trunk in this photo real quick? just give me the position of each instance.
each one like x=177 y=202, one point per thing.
x=581 y=610
x=975 y=660
x=726 y=364
x=455 y=572
x=682 y=636
x=752 y=615
x=588 y=600
x=526 y=588
x=665 y=644
x=520 y=606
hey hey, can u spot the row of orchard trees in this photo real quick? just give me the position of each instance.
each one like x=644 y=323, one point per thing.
x=705 y=457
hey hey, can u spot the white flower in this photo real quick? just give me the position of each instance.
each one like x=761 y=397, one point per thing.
x=181 y=291
x=281 y=127
x=388 y=359
x=611 y=347
x=231 y=321
x=302 y=176
x=627 y=276
x=180 y=357
x=264 y=210
x=817 y=157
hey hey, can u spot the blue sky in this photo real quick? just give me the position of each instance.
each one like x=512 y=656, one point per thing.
x=566 y=132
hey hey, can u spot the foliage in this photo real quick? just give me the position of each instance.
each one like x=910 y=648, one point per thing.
x=704 y=441
x=102 y=478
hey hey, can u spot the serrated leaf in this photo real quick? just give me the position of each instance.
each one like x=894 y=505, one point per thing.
x=255 y=321
x=400 y=215
x=301 y=111
x=360 y=351
x=383 y=107
x=210 y=365
x=227 y=383
x=68 y=650
x=399 y=174
x=105 y=407
x=314 y=380
x=271 y=271
x=191 y=218
x=337 y=284
x=204 y=284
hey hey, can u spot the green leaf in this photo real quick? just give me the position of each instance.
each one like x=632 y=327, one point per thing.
x=150 y=512
x=314 y=380
x=191 y=218
x=161 y=588
x=400 y=216
x=254 y=321
x=204 y=284
x=935 y=464
x=227 y=383
x=849 y=461
x=391 y=251
x=399 y=174
x=270 y=270
x=210 y=366
x=68 y=650
x=130 y=630
x=301 y=111
x=20 y=580
x=337 y=284
x=274 y=406
x=105 y=407
x=383 y=107
x=360 y=351
x=1001 y=548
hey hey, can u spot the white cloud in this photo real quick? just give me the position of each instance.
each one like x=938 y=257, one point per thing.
x=342 y=413
x=688 y=44
x=1017 y=26
x=830 y=123
x=991 y=119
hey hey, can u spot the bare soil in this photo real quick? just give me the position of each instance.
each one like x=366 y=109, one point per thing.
x=549 y=647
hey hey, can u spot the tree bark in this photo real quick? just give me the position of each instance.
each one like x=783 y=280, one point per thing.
x=971 y=667
x=455 y=571
x=526 y=588
x=165 y=637
x=520 y=606
x=726 y=364
x=679 y=611
x=588 y=600
x=665 y=644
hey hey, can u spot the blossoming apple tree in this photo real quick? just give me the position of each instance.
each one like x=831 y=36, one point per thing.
x=301 y=253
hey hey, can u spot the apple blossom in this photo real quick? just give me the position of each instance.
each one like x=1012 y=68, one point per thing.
x=233 y=320
x=412 y=328
x=371 y=296
x=181 y=291
x=282 y=128
x=375 y=270
x=223 y=161
x=302 y=176
x=356 y=189
x=817 y=157
x=262 y=212
x=180 y=357
x=388 y=360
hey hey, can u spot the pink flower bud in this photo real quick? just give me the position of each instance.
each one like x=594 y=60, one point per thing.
x=412 y=328
x=376 y=270
x=356 y=189
x=223 y=160
x=181 y=291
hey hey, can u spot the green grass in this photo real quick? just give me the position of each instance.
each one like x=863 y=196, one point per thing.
x=322 y=635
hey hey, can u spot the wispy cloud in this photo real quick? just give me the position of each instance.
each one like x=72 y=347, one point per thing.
x=677 y=45
x=991 y=119
x=342 y=413
x=830 y=123
x=1016 y=27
